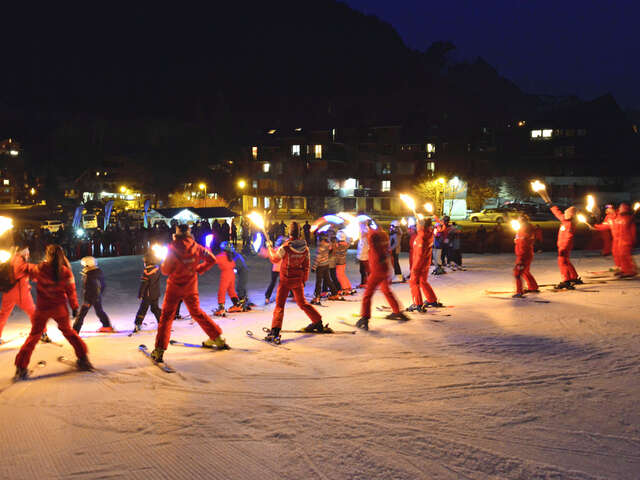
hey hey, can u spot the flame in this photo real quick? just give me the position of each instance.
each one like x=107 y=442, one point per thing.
x=403 y=222
x=428 y=207
x=537 y=185
x=257 y=242
x=160 y=251
x=257 y=220
x=515 y=224
x=582 y=218
x=420 y=216
x=6 y=223
x=352 y=230
x=408 y=201
x=636 y=206
x=590 y=203
x=208 y=240
x=4 y=256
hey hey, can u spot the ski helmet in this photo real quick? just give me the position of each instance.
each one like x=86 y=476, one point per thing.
x=88 y=262
x=341 y=236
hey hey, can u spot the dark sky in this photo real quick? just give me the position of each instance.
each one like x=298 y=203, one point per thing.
x=559 y=47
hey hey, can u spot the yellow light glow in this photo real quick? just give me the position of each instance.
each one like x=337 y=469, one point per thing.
x=352 y=230
x=4 y=256
x=6 y=224
x=590 y=203
x=241 y=184
x=160 y=251
x=420 y=216
x=202 y=186
x=257 y=220
x=515 y=224
x=441 y=181
x=582 y=218
x=537 y=186
x=408 y=201
x=32 y=191
x=636 y=206
x=428 y=207
x=123 y=189
x=403 y=222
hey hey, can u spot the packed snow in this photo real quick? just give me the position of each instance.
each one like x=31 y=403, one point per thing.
x=494 y=388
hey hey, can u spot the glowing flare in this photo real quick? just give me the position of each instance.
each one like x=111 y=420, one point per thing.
x=257 y=242
x=4 y=256
x=408 y=201
x=160 y=251
x=420 y=216
x=257 y=220
x=537 y=186
x=352 y=229
x=428 y=207
x=208 y=240
x=6 y=223
x=515 y=224
x=636 y=206
x=590 y=203
x=582 y=218
x=403 y=222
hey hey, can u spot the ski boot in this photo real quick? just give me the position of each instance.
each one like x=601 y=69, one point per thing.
x=577 y=281
x=432 y=304
x=236 y=306
x=273 y=335
x=157 y=354
x=45 y=338
x=518 y=295
x=316 y=301
x=335 y=297
x=314 y=327
x=220 y=311
x=245 y=304
x=526 y=290
x=84 y=364
x=438 y=271
x=564 y=285
x=353 y=292
x=219 y=342
x=137 y=328
x=267 y=300
x=363 y=323
x=21 y=373
x=414 y=308
x=397 y=316
x=108 y=329
x=400 y=278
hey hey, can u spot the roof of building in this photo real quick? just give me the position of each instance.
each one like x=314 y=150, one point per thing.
x=209 y=212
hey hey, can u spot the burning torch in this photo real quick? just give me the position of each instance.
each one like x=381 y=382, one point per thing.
x=583 y=219
x=409 y=202
x=258 y=221
x=541 y=189
x=6 y=224
x=160 y=251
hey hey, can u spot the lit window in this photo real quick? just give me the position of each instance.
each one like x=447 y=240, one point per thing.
x=266 y=167
x=386 y=185
x=105 y=173
x=318 y=151
x=547 y=133
x=522 y=123
x=536 y=133
x=350 y=184
x=254 y=152
x=267 y=202
x=254 y=184
x=333 y=134
x=431 y=148
x=255 y=202
x=431 y=167
x=97 y=174
x=272 y=131
x=13 y=153
x=295 y=150
x=299 y=129
x=5 y=181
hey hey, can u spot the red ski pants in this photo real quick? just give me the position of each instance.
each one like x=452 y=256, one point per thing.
x=345 y=284
x=296 y=287
x=38 y=322
x=623 y=258
x=606 y=242
x=227 y=286
x=192 y=300
x=522 y=270
x=566 y=267
x=418 y=281
x=10 y=300
x=374 y=281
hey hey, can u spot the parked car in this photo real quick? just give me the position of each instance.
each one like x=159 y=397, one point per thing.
x=498 y=215
x=52 y=225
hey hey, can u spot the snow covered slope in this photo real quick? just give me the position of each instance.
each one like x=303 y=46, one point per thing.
x=493 y=388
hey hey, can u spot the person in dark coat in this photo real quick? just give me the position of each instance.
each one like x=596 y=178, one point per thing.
x=149 y=292
x=93 y=286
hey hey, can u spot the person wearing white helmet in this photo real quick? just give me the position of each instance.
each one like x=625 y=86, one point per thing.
x=93 y=286
x=395 y=244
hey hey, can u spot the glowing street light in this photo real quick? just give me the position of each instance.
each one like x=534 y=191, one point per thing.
x=32 y=191
x=242 y=184
x=203 y=187
x=441 y=181
x=123 y=189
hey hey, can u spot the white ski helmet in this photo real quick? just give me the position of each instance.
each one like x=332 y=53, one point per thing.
x=88 y=262
x=341 y=236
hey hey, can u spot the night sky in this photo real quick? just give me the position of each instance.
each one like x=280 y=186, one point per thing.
x=559 y=47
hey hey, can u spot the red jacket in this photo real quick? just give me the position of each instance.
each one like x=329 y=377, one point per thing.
x=624 y=231
x=22 y=287
x=378 y=252
x=524 y=242
x=294 y=266
x=52 y=294
x=226 y=265
x=185 y=260
x=421 y=250
x=567 y=229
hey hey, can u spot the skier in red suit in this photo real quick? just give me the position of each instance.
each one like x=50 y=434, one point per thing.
x=524 y=247
x=56 y=287
x=227 y=279
x=565 y=245
x=421 y=252
x=20 y=293
x=605 y=234
x=185 y=261
x=294 y=272
x=623 y=231
x=380 y=268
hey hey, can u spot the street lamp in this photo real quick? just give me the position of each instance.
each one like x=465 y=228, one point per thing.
x=203 y=186
x=242 y=184
x=123 y=189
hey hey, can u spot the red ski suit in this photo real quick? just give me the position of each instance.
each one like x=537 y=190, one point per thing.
x=524 y=245
x=565 y=245
x=52 y=301
x=227 y=277
x=605 y=234
x=19 y=295
x=294 y=272
x=421 y=252
x=185 y=261
x=623 y=231
x=380 y=268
